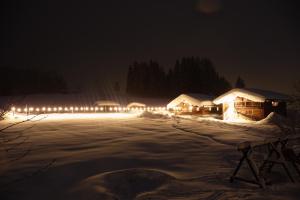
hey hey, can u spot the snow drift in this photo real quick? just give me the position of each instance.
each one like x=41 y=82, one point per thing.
x=132 y=157
x=123 y=184
x=153 y=115
x=272 y=118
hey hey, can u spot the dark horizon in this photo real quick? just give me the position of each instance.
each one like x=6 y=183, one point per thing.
x=95 y=42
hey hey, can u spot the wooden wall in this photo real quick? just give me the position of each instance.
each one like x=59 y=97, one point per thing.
x=185 y=109
x=258 y=110
x=249 y=109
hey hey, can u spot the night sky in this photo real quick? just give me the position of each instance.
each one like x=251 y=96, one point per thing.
x=95 y=41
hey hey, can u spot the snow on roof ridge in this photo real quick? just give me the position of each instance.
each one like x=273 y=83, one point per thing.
x=269 y=93
x=253 y=94
x=138 y=104
x=193 y=98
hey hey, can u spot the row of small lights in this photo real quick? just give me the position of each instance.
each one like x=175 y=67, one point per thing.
x=77 y=109
x=191 y=108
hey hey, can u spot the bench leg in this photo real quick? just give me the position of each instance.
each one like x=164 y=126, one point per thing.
x=288 y=172
x=296 y=168
x=256 y=174
x=237 y=168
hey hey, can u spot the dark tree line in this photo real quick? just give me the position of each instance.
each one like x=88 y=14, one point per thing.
x=17 y=81
x=189 y=75
x=146 y=79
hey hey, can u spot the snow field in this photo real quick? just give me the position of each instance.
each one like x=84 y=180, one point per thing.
x=148 y=156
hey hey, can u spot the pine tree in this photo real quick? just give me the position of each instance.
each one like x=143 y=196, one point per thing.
x=240 y=83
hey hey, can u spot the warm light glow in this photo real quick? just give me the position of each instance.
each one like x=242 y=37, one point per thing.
x=74 y=116
x=88 y=109
x=275 y=103
x=230 y=113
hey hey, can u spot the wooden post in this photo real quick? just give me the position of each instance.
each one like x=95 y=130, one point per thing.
x=247 y=151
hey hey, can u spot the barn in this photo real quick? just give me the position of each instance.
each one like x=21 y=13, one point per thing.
x=251 y=104
x=193 y=103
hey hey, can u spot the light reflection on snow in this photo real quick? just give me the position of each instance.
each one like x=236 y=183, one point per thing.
x=65 y=116
x=230 y=114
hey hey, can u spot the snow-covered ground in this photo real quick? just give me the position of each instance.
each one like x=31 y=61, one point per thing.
x=130 y=156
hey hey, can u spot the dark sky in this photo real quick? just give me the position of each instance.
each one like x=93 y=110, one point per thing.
x=96 y=41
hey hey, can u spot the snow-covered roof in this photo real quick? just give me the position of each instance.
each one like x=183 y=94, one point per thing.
x=256 y=95
x=107 y=103
x=136 y=104
x=192 y=99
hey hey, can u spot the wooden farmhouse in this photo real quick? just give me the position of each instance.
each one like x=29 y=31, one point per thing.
x=193 y=103
x=251 y=104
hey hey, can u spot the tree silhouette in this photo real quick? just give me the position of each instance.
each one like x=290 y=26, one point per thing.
x=189 y=75
x=240 y=83
x=17 y=81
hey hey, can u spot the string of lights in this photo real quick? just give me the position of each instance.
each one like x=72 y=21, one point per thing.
x=81 y=109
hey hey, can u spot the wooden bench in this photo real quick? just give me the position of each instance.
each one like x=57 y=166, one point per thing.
x=277 y=153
